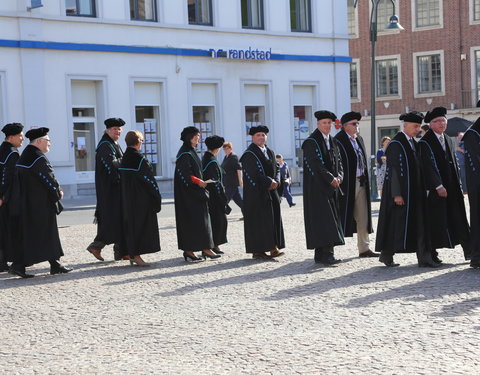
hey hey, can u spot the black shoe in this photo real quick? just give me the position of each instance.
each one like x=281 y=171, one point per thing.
x=369 y=254
x=21 y=273
x=217 y=251
x=475 y=264
x=205 y=256
x=389 y=262
x=59 y=269
x=429 y=264
x=193 y=257
x=4 y=267
x=262 y=256
x=436 y=259
x=329 y=261
x=292 y=204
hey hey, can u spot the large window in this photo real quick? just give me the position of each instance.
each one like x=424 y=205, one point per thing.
x=300 y=15
x=200 y=12
x=387 y=77
x=353 y=80
x=429 y=74
x=384 y=12
x=82 y=8
x=427 y=13
x=352 y=18
x=252 y=14
x=143 y=10
x=476 y=10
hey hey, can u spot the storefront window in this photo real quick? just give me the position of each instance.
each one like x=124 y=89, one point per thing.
x=302 y=129
x=146 y=119
x=204 y=119
x=254 y=116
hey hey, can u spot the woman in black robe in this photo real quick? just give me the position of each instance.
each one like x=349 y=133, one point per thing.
x=194 y=231
x=141 y=200
x=217 y=204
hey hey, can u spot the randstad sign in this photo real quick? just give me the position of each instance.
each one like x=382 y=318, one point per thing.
x=240 y=54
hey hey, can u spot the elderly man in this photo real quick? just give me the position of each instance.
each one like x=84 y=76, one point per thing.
x=263 y=221
x=108 y=212
x=355 y=206
x=322 y=176
x=402 y=226
x=447 y=218
x=39 y=203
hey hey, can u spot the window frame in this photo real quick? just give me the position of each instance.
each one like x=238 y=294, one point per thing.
x=471 y=12
x=358 y=98
x=197 y=13
x=415 y=27
x=249 y=15
x=415 y=56
x=297 y=6
x=155 y=12
x=93 y=4
x=355 y=18
x=387 y=97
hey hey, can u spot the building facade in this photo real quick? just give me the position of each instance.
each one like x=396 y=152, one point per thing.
x=161 y=65
x=434 y=62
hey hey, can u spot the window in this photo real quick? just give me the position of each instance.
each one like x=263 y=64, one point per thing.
x=143 y=10
x=477 y=75
x=427 y=13
x=300 y=15
x=252 y=14
x=200 y=12
x=387 y=77
x=384 y=12
x=352 y=18
x=476 y=10
x=353 y=81
x=429 y=74
x=82 y=8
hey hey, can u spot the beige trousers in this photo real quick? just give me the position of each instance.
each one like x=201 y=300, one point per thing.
x=360 y=214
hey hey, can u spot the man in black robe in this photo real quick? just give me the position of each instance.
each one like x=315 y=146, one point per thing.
x=322 y=176
x=233 y=175
x=471 y=142
x=141 y=200
x=9 y=156
x=355 y=205
x=261 y=203
x=217 y=203
x=447 y=218
x=108 y=213
x=402 y=226
x=39 y=196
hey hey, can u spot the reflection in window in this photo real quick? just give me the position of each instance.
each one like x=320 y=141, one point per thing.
x=300 y=15
x=143 y=10
x=200 y=12
x=252 y=14
x=82 y=8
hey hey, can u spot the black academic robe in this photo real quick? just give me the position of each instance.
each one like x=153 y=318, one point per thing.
x=141 y=200
x=347 y=200
x=471 y=142
x=320 y=199
x=399 y=226
x=217 y=204
x=194 y=230
x=447 y=218
x=107 y=184
x=39 y=204
x=261 y=207
x=8 y=224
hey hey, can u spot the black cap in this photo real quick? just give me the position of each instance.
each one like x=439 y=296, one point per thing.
x=349 y=116
x=12 y=129
x=320 y=115
x=189 y=130
x=258 y=129
x=412 y=116
x=214 y=142
x=36 y=133
x=434 y=113
x=113 y=121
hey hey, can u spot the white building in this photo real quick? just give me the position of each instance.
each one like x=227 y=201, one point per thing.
x=162 y=65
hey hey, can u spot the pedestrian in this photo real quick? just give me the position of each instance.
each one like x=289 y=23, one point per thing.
x=194 y=230
x=9 y=156
x=263 y=221
x=108 y=212
x=402 y=222
x=141 y=201
x=39 y=196
x=355 y=205
x=460 y=154
x=322 y=176
x=471 y=141
x=233 y=175
x=284 y=189
x=381 y=163
x=217 y=203
x=446 y=213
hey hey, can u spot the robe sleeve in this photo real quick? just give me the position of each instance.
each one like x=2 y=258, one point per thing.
x=147 y=178
x=109 y=162
x=253 y=172
x=430 y=171
x=396 y=166
x=8 y=176
x=313 y=158
x=44 y=173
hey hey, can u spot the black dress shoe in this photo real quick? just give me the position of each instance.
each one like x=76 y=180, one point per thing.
x=293 y=204
x=429 y=264
x=21 y=273
x=4 y=267
x=217 y=251
x=262 y=256
x=329 y=261
x=436 y=259
x=475 y=264
x=369 y=254
x=59 y=269
x=391 y=263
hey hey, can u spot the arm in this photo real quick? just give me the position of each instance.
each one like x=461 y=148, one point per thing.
x=109 y=162
x=253 y=173
x=44 y=173
x=430 y=171
x=310 y=153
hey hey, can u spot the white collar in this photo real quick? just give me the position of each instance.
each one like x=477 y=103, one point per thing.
x=407 y=136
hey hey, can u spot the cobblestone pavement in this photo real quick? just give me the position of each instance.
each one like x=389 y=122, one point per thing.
x=239 y=315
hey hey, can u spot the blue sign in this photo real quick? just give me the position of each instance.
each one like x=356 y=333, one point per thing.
x=241 y=54
x=36 y=4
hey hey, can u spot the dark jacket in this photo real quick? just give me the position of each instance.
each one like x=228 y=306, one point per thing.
x=230 y=166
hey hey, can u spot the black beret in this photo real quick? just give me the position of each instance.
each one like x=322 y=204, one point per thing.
x=320 y=115
x=349 y=116
x=258 y=129
x=12 y=129
x=189 y=130
x=434 y=113
x=36 y=133
x=214 y=142
x=412 y=116
x=113 y=121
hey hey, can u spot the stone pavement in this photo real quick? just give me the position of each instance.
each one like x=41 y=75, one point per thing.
x=239 y=315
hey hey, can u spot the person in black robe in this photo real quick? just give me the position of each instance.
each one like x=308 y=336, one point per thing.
x=38 y=205
x=402 y=226
x=471 y=142
x=355 y=205
x=261 y=203
x=322 y=176
x=217 y=204
x=9 y=156
x=447 y=217
x=141 y=200
x=108 y=213
x=194 y=230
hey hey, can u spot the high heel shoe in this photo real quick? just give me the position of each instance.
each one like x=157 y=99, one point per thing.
x=193 y=257
x=210 y=256
x=139 y=262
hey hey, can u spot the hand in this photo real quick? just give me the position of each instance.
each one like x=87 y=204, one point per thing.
x=335 y=183
x=202 y=184
x=399 y=200
x=61 y=194
x=273 y=186
x=383 y=159
x=1 y=202
x=442 y=192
